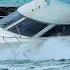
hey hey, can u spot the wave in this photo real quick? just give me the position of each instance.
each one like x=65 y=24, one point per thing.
x=35 y=65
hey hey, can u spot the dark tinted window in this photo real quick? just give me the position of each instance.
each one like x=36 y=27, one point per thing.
x=28 y=27
x=62 y=30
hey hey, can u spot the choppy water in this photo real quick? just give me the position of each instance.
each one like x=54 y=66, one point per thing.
x=13 y=2
x=20 y=2
x=35 y=65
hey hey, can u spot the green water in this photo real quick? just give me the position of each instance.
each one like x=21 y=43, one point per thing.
x=13 y=2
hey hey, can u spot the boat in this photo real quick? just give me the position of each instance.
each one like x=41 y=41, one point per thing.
x=38 y=30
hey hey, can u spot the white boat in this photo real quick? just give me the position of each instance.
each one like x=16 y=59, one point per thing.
x=39 y=30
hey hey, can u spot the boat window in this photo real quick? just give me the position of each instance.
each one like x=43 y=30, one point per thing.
x=28 y=27
x=60 y=30
x=15 y=16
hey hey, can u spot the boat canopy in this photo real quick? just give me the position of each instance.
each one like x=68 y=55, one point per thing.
x=57 y=12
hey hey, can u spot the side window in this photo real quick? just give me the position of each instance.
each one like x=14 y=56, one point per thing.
x=15 y=16
x=61 y=30
x=28 y=27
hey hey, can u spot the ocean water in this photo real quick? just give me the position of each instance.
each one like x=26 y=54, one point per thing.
x=9 y=55
x=66 y=1
x=35 y=65
x=15 y=3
